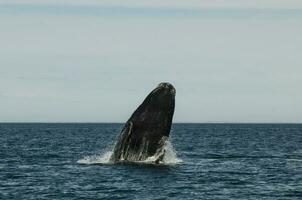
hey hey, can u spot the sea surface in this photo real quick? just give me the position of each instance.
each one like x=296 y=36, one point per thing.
x=204 y=161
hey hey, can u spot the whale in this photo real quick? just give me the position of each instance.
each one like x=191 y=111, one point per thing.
x=146 y=132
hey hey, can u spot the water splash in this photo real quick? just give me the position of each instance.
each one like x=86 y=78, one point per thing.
x=103 y=158
x=170 y=154
x=170 y=157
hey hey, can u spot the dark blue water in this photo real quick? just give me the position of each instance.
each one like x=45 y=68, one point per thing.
x=220 y=161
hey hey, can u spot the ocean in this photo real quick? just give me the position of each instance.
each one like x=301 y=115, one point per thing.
x=204 y=161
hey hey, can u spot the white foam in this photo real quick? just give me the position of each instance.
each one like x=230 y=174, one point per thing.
x=170 y=157
x=170 y=154
x=103 y=158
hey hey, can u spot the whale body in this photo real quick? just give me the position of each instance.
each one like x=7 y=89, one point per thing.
x=147 y=130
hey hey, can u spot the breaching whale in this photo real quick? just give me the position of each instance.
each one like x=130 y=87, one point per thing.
x=148 y=128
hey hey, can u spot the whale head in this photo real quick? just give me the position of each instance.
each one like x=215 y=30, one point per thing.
x=156 y=112
x=146 y=131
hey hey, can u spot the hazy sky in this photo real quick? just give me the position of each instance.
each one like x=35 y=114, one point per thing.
x=86 y=61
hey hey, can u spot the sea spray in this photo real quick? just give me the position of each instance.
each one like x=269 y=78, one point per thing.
x=170 y=154
x=103 y=158
x=170 y=157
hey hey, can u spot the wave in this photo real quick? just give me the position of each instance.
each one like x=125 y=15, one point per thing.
x=170 y=157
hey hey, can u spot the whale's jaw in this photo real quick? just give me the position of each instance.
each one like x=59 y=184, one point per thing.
x=148 y=128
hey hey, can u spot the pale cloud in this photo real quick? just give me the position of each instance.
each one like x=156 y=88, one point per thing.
x=225 y=67
x=279 y=4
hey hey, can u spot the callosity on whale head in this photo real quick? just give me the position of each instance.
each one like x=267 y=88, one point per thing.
x=148 y=128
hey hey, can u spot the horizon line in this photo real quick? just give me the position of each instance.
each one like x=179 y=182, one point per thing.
x=178 y=122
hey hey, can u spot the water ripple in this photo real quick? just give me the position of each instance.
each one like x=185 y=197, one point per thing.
x=218 y=161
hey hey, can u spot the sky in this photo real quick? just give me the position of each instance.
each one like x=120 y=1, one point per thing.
x=96 y=61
